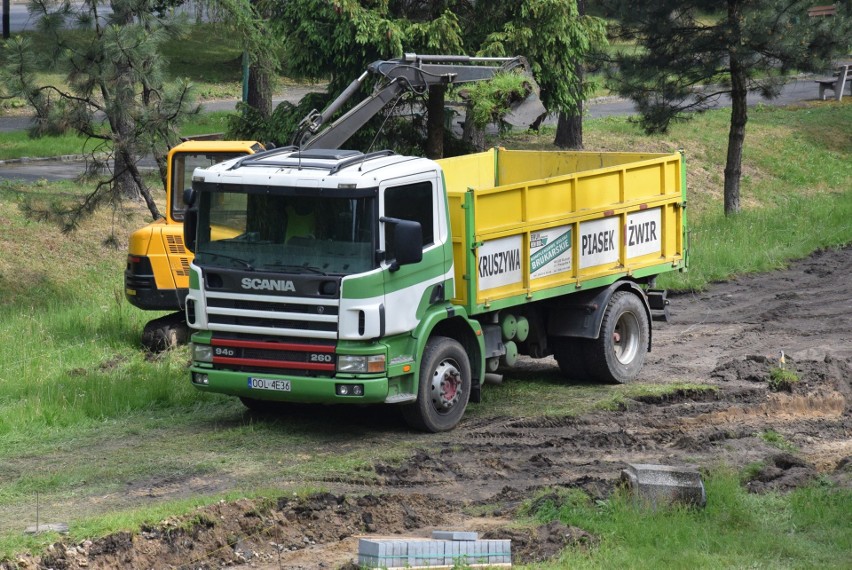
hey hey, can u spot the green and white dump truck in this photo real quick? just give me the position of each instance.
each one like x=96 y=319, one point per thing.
x=332 y=276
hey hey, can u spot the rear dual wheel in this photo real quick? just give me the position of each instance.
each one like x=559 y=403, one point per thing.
x=618 y=354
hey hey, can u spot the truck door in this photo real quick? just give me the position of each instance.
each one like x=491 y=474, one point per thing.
x=409 y=289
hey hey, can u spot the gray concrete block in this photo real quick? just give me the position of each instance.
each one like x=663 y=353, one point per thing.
x=368 y=552
x=661 y=484
x=424 y=553
x=454 y=535
x=398 y=553
x=455 y=553
x=415 y=553
x=438 y=549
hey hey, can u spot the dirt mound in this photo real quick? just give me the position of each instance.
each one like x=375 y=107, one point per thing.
x=318 y=531
x=783 y=473
x=728 y=339
x=250 y=531
x=544 y=542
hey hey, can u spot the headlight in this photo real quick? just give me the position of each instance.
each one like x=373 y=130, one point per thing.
x=360 y=364
x=202 y=353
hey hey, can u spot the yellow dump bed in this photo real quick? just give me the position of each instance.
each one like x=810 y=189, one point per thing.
x=530 y=225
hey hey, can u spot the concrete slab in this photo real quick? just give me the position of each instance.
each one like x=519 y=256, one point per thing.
x=429 y=553
x=662 y=484
x=454 y=535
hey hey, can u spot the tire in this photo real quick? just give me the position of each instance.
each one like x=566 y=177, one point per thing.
x=445 y=384
x=570 y=354
x=618 y=354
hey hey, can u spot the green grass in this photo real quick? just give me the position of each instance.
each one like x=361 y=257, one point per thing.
x=18 y=144
x=775 y=439
x=208 y=57
x=91 y=423
x=809 y=528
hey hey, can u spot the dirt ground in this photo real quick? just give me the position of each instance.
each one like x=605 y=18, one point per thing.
x=728 y=337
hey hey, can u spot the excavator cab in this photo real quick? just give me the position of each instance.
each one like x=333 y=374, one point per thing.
x=156 y=277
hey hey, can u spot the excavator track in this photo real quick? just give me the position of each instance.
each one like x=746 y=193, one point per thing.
x=165 y=332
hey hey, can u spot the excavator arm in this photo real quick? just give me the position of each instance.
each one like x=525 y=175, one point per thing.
x=409 y=74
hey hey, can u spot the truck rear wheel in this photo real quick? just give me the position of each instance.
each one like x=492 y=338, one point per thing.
x=618 y=354
x=445 y=384
x=570 y=354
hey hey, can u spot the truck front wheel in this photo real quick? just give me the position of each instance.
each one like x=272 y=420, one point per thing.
x=618 y=354
x=445 y=384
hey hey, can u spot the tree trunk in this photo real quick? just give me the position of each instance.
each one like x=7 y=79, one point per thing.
x=123 y=125
x=435 y=122
x=142 y=189
x=260 y=90
x=259 y=94
x=569 y=128
x=739 y=118
x=472 y=134
x=736 y=137
x=124 y=183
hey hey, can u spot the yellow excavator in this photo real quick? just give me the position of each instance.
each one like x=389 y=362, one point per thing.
x=157 y=274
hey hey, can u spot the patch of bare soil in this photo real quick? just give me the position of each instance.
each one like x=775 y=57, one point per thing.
x=729 y=338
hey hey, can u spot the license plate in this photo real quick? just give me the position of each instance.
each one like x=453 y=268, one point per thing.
x=268 y=384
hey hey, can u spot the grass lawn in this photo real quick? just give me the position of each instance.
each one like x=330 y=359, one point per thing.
x=89 y=422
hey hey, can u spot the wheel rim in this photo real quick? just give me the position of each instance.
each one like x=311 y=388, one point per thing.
x=446 y=386
x=625 y=338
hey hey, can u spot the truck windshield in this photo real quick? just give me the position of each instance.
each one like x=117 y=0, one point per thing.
x=291 y=234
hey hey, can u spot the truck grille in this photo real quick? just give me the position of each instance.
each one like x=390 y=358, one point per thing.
x=280 y=357
x=300 y=317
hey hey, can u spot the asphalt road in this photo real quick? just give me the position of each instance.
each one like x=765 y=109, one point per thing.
x=20 y=19
x=803 y=89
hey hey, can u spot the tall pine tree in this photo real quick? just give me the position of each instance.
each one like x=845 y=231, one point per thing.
x=113 y=91
x=692 y=52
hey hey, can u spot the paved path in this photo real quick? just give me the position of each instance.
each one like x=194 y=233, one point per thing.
x=803 y=89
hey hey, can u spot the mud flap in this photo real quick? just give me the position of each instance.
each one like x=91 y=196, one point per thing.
x=659 y=304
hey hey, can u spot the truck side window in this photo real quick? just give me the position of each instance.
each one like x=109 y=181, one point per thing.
x=410 y=202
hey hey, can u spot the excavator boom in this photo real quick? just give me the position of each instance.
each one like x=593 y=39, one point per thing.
x=411 y=73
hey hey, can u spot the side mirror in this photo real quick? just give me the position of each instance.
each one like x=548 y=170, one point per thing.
x=408 y=242
x=189 y=197
x=190 y=227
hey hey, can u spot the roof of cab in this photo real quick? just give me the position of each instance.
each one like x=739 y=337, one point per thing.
x=289 y=167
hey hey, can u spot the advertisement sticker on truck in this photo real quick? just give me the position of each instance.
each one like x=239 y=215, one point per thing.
x=642 y=233
x=500 y=262
x=550 y=251
x=599 y=241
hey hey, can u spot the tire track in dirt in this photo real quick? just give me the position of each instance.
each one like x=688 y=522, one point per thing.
x=727 y=338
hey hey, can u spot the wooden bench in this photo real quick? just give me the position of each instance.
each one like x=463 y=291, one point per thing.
x=822 y=11
x=836 y=83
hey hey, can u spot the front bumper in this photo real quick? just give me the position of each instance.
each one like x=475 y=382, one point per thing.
x=305 y=390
